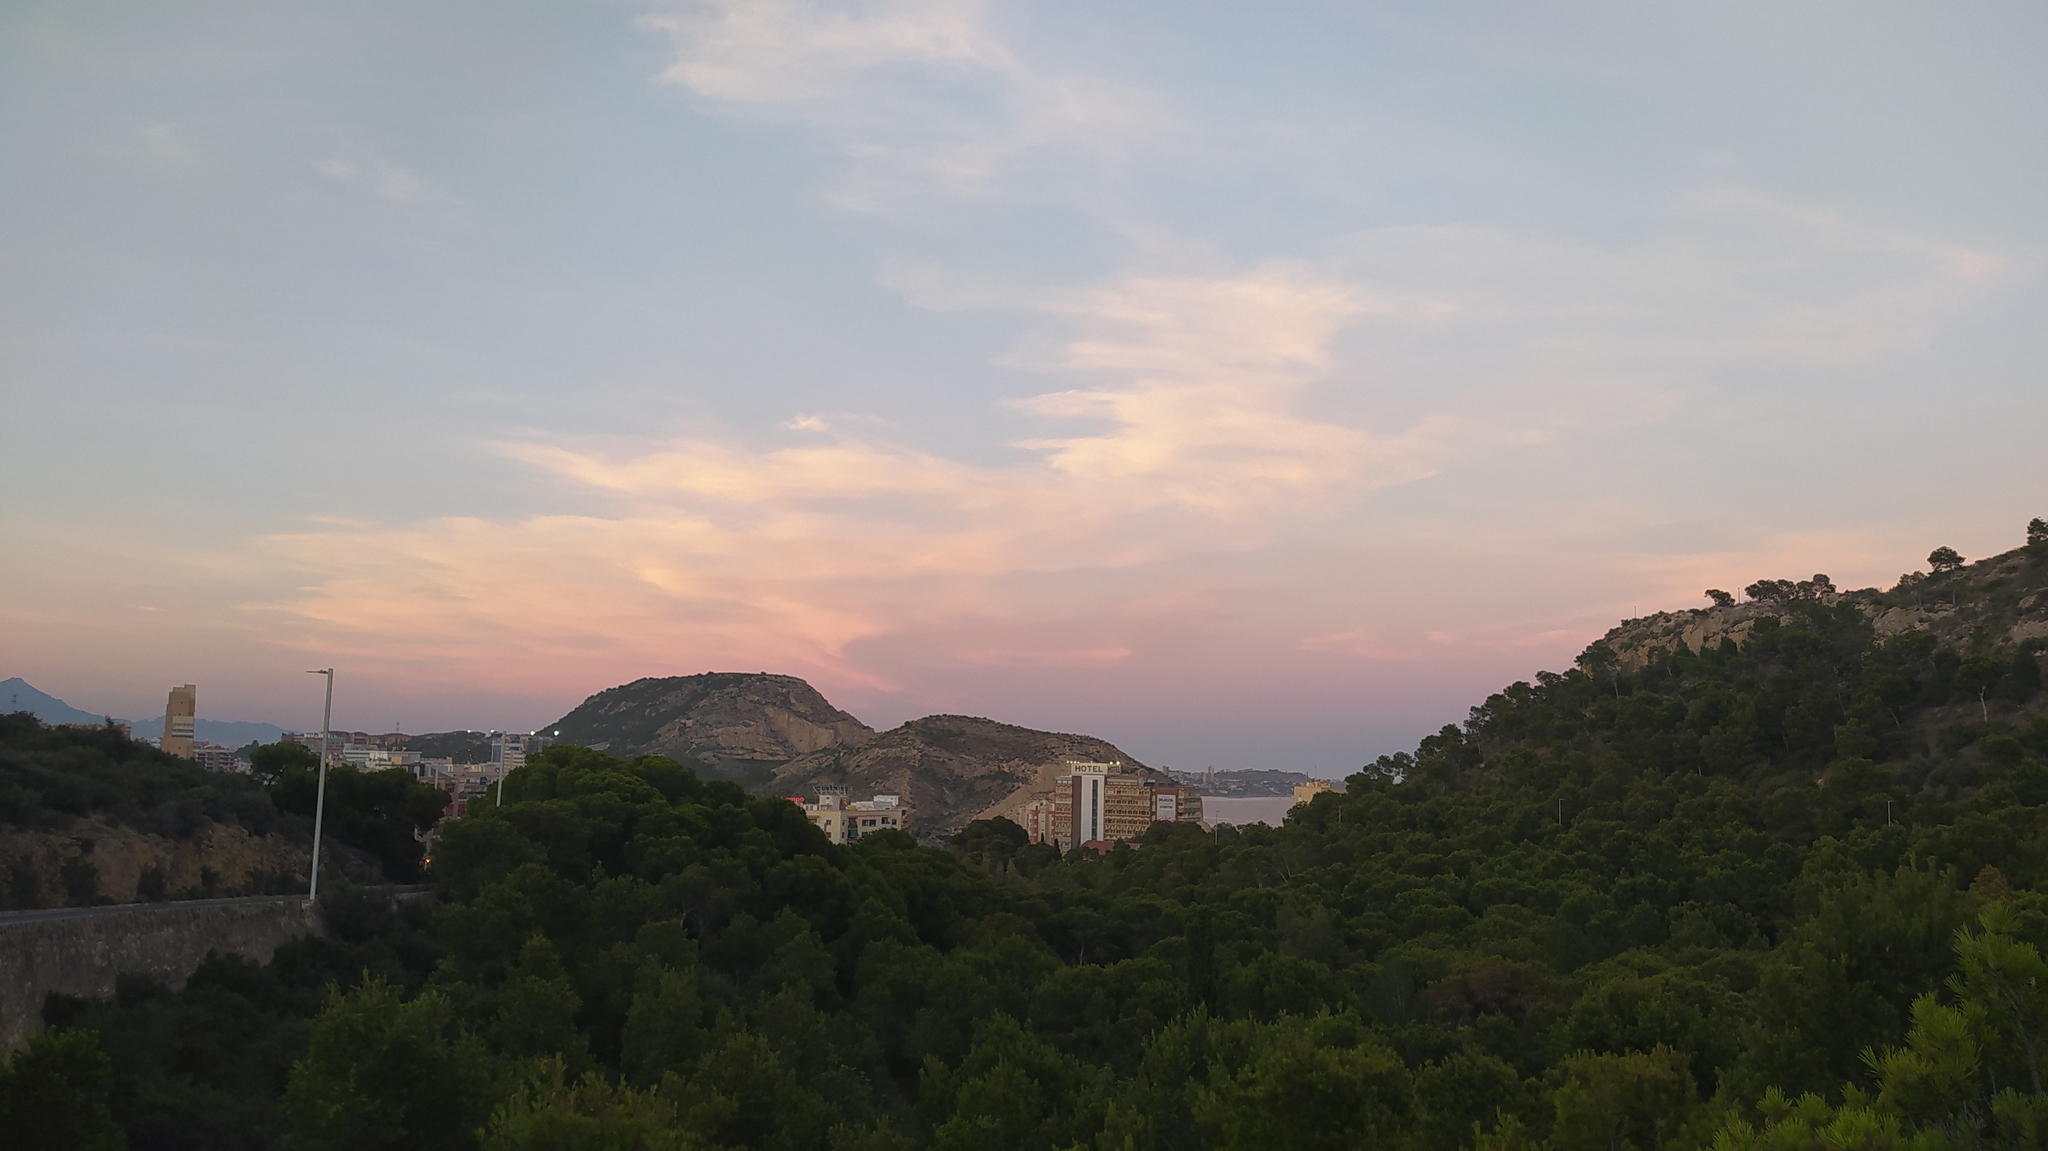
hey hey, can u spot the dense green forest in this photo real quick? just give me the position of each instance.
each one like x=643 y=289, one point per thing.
x=1777 y=893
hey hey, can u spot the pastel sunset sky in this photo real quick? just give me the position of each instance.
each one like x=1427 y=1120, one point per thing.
x=1255 y=385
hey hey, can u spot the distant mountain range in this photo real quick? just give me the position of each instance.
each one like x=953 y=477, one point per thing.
x=18 y=694
x=1244 y=783
x=226 y=732
x=776 y=733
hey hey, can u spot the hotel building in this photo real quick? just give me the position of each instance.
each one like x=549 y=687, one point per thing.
x=1104 y=803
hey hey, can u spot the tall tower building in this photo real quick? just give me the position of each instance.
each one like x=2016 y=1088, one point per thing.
x=508 y=754
x=179 y=715
x=1089 y=781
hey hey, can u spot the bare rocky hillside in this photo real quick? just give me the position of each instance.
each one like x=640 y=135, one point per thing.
x=776 y=733
x=950 y=769
x=740 y=724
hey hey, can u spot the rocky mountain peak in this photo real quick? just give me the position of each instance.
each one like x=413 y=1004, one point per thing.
x=742 y=724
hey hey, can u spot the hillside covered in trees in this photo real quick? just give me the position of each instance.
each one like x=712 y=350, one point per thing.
x=1775 y=891
x=89 y=816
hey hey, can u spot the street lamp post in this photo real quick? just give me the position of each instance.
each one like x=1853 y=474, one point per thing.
x=320 y=798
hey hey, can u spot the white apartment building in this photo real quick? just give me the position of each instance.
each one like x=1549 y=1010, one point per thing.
x=1090 y=784
x=364 y=758
x=214 y=757
x=508 y=752
x=845 y=822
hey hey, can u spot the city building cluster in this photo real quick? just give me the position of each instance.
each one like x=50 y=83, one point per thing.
x=464 y=782
x=1094 y=805
x=1101 y=804
x=181 y=715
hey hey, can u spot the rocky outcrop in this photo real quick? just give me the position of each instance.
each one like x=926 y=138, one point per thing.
x=1635 y=640
x=736 y=723
x=949 y=769
x=2000 y=600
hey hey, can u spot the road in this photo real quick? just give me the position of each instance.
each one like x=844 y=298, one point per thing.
x=49 y=913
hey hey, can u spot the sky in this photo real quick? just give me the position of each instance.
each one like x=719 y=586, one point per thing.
x=1249 y=385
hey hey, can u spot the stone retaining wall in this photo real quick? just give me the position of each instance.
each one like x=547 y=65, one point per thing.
x=81 y=951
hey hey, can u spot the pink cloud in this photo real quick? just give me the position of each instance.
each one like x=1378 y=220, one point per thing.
x=1191 y=470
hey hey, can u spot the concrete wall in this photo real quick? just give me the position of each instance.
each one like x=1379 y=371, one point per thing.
x=80 y=951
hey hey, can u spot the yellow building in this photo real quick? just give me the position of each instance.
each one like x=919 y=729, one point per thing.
x=179 y=715
x=1134 y=801
x=1307 y=792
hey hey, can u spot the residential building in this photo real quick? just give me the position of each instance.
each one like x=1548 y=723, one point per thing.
x=1307 y=792
x=532 y=743
x=882 y=813
x=1135 y=800
x=1036 y=819
x=318 y=744
x=180 y=713
x=508 y=752
x=365 y=758
x=439 y=772
x=844 y=822
x=477 y=778
x=214 y=757
x=1177 y=803
x=465 y=783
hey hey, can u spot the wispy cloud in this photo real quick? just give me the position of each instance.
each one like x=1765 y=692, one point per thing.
x=1195 y=422
x=920 y=95
x=1189 y=422
x=163 y=149
x=1728 y=276
x=799 y=549
x=387 y=182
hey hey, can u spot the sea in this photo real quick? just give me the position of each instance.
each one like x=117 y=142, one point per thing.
x=1267 y=809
